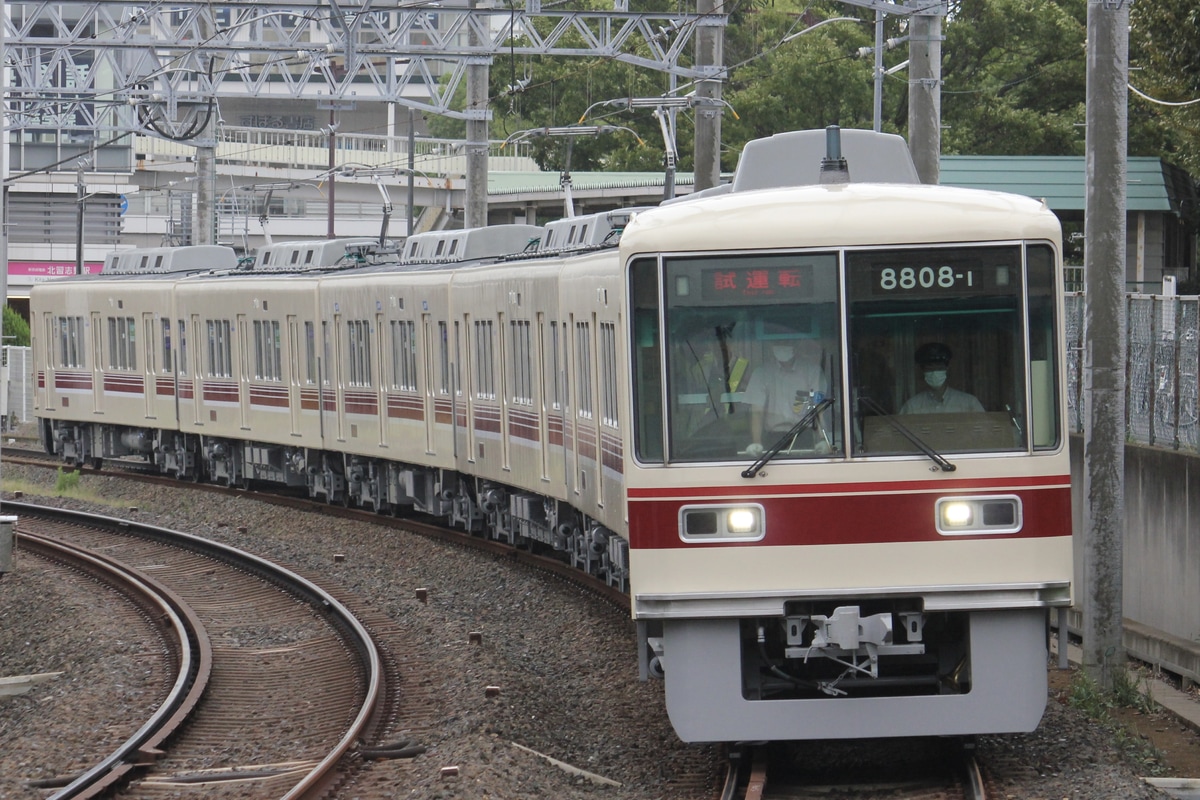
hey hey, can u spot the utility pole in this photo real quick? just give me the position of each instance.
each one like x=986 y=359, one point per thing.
x=331 y=207
x=925 y=92
x=80 y=200
x=1104 y=361
x=710 y=39
x=475 y=207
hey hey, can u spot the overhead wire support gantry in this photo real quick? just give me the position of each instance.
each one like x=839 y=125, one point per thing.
x=105 y=65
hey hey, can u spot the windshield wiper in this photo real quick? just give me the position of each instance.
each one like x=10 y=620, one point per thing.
x=786 y=439
x=916 y=441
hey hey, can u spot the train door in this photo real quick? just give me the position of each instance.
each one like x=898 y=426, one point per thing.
x=456 y=393
x=503 y=399
x=97 y=364
x=427 y=383
x=469 y=389
x=337 y=375
x=150 y=374
x=45 y=351
x=571 y=422
x=383 y=385
x=538 y=384
x=243 y=371
x=198 y=370
x=293 y=362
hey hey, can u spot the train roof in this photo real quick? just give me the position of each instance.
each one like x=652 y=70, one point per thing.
x=834 y=215
x=320 y=254
x=158 y=260
x=444 y=247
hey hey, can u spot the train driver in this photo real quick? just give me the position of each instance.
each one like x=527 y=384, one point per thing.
x=933 y=361
x=783 y=390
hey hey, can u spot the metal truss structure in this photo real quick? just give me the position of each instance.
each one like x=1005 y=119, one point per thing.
x=111 y=66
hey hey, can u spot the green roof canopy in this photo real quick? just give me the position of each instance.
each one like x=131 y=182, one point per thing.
x=1152 y=184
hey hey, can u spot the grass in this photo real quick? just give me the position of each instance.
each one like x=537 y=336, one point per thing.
x=66 y=484
x=1129 y=691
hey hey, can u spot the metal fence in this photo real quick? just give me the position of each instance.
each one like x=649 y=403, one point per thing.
x=16 y=373
x=1162 y=360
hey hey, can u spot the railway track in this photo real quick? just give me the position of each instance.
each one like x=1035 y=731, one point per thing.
x=760 y=772
x=901 y=769
x=413 y=524
x=278 y=686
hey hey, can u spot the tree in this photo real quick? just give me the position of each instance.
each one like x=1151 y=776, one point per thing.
x=1162 y=44
x=16 y=329
x=1014 y=83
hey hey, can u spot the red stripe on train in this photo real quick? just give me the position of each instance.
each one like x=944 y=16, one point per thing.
x=852 y=519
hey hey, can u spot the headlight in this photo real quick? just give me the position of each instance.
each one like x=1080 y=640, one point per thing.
x=958 y=516
x=721 y=523
x=742 y=520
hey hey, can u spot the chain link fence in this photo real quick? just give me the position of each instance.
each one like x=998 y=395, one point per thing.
x=16 y=373
x=1162 y=359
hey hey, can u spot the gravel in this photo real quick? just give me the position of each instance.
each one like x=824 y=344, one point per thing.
x=564 y=663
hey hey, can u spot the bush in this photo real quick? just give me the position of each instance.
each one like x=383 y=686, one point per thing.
x=66 y=481
x=16 y=329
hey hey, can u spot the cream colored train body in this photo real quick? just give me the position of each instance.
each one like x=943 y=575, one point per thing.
x=863 y=565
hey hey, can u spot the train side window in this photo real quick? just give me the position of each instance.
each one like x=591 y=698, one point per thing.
x=522 y=385
x=359 y=343
x=122 y=343
x=404 y=355
x=165 y=331
x=608 y=374
x=268 y=360
x=443 y=359
x=310 y=353
x=70 y=351
x=182 y=365
x=583 y=369
x=485 y=388
x=1043 y=367
x=646 y=360
x=220 y=348
x=555 y=389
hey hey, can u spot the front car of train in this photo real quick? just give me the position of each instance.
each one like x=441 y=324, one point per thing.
x=848 y=479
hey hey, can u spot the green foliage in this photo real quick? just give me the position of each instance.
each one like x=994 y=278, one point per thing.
x=1129 y=691
x=16 y=329
x=66 y=482
x=1014 y=83
x=1165 y=65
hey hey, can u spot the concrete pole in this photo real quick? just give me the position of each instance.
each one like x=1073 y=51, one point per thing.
x=206 y=185
x=3 y=165
x=478 y=71
x=710 y=41
x=1104 y=357
x=412 y=165
x=331 y=201
x=80 y=200
x=925 y=96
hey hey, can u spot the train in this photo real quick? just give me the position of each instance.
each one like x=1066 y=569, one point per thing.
x=596 y=388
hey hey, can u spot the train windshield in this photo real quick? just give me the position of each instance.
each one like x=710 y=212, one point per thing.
x=937 y=342
x=855 y=353
x=752 y=348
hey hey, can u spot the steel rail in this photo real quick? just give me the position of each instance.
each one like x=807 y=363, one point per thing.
x=191 y=642
x=332 y=610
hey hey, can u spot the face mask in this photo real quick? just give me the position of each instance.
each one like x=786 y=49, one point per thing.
x=784 y=354
x=936 y=378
